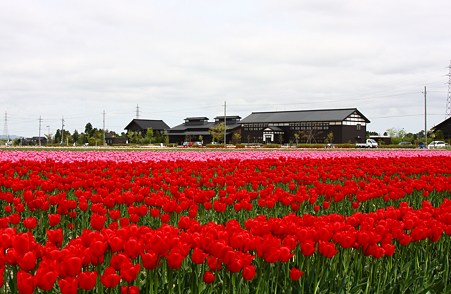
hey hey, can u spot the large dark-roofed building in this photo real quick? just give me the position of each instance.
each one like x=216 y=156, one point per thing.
x=304 y=126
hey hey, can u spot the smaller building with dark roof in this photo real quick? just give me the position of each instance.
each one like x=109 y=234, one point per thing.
x=141 y=125
x=198 y=129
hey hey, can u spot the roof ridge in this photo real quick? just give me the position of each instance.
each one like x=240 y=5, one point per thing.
x=306 y=110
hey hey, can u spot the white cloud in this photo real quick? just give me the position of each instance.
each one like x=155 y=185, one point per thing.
x=183 y=58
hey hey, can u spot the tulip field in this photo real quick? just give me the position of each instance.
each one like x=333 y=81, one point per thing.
x=225 y=222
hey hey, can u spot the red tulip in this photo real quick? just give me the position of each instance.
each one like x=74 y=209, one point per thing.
x=25 y=282
x=54 y=219
x=326 y=204
x=175 y=260
x=55 y=237
x=110 y=278
x=327 y=249
x=214 y=264
x=129 y=272
x=68 y=285
x=47 y=279
x=149 y=260
x=295 y=274
x=133 y=247
x=28 y=261
x=308 y=248
x=97 y=221
x=11 y=256
x=165 y=218
x=389 y=249
x=249 y=272
x=22 y=243
x=129 y=290
x=30 y=223
x=284 y=254
x=208 y=277
x=155 y=212
x=72 y=265
x=87 y=280
x=198 y=256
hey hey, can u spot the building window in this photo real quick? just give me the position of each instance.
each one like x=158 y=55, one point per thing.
x=358 y=127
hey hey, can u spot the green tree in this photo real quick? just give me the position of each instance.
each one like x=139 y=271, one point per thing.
x=82 y=139
x=165 y=138
x=75 y=136
x=147 y=139
x=397 y=135
x=438 y=135
x=134 y=137
x=236 y=138
x=49 y=138
x=57 y=138
x=217 y=132
x=97 y=138
x=329 y=138
x=89 y=130
x=296 y=137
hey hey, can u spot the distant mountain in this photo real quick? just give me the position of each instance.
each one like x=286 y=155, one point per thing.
x=11 y=137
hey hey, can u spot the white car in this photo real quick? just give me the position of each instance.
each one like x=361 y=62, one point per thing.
x=437 y=144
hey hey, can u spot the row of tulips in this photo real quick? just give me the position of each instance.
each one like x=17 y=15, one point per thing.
x=217 y=190
x=130 y=255
x=296 y=223
x=141 y=156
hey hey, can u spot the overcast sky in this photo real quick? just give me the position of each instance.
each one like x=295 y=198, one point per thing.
x=176 y=59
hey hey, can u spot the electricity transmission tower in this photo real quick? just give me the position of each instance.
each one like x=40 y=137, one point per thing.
x=448 y=100
x=137 y=111
x=5 y=128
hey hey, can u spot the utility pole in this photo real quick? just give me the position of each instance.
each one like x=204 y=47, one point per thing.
x=62 y=131
x=39 y=138
x=103 y=128
x=225 y=123
x=137 y=111
x=425 y=118
x=49 y=137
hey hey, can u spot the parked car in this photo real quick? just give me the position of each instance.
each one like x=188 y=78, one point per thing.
x=405 y=143
x=192 y=144
x=369 y=143
x=422 y=145
x=437 y=144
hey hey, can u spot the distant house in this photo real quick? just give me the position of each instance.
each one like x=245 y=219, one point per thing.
x=141 y=125
x=445 y=127
x=116 y=140
x=35 y=141
x=381 y=139
x=198 y=129
x=304 y=126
